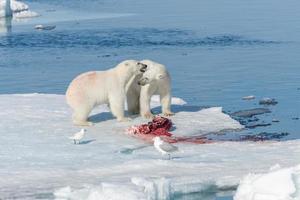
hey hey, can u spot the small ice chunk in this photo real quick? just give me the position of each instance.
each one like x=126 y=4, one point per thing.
x=278 y=184
x=275 y=120
x=18 y=6
x=251 y=112
x=25 y=14
x=251 y=97
x=5 y=8
x=268 y=101
x=42 y=27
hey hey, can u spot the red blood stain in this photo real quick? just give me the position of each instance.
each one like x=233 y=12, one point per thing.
x=160 y=126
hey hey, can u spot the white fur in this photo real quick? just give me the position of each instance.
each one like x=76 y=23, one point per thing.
x=158 y=81
x=101 y=87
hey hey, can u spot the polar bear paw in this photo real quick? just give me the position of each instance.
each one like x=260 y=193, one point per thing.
x=168 y=113
x=125 y=119
x=148 y=115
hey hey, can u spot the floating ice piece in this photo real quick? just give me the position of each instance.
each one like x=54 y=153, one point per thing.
x=249 y=97
x=9 y=8
x=5 y=8
x=278 y=184
x=42 y=27
x=25 y=14
x=18 y=6
x=251 y=112
x=78 y=136
x=268 y=101
x=21 y=10
x=275 y=120
x=164 y=147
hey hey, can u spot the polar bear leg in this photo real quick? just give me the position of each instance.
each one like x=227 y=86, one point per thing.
x=80 y=117
x=145 y=98
x=116 y=104
x=165 y=100
x=133 y=102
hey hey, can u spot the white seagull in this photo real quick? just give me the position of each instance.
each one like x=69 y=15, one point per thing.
x=164 y=147
x=78 y=136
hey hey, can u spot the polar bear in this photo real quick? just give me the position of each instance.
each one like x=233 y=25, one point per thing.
x=156 y=80
x=102 y=87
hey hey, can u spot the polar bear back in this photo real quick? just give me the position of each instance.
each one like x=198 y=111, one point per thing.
x=87 y=85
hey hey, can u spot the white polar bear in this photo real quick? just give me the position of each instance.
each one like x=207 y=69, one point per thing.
x=156 y=80
x=100 y=87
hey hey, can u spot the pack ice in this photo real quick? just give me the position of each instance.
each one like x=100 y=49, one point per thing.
x=37 y=159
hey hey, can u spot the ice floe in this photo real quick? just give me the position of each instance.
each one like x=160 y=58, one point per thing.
x=38 y=158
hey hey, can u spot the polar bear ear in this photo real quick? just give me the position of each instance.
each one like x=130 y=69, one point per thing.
x=160 y=76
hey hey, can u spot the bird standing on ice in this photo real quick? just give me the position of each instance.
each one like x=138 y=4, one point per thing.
x=164 y=147
x=78 y=136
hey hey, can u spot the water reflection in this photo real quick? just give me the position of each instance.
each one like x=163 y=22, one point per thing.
x=5 y=25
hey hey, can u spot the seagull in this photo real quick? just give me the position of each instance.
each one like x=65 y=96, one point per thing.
x=78 y=136
x=164 y=147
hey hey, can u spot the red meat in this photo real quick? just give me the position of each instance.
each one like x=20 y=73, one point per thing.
x=160 y=126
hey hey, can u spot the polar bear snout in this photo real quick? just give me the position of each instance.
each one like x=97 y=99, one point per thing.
x=143 y=81
x=143 y=67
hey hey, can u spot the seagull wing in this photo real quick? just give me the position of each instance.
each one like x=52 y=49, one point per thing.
x=72 y=137
x=167 y=147
x=76 y=136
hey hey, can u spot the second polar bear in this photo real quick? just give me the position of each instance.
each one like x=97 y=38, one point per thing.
x=156 y=80
x=102 y=87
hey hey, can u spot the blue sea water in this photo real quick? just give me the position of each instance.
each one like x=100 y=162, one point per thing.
x=216 y=51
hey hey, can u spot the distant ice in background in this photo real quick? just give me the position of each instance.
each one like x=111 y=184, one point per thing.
x=13 y=10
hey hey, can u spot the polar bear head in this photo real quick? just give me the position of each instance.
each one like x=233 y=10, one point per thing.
x=132 y=67
x=155 y=72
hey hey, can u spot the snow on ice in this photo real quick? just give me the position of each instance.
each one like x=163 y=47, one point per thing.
x=278 y=184
x=38 y=159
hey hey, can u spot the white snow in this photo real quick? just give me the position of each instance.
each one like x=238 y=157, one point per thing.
x=38 y=159
x=278 y=184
